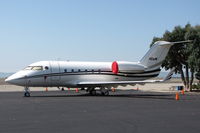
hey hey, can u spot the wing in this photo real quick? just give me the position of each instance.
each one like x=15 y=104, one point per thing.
x=116 y=83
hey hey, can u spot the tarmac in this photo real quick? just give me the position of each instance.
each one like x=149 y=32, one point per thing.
x=126 y=111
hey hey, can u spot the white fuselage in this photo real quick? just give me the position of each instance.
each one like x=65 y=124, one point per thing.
x=68 y=74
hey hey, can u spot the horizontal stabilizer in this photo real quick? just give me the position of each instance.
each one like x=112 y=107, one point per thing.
x=169 y=76
x=180 y=42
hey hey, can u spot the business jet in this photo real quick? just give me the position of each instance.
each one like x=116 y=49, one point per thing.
x=93 y=76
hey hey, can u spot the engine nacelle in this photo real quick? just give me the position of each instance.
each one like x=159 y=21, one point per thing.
x=127 y=67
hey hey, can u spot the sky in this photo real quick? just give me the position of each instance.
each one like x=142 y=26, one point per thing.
x=86 y=30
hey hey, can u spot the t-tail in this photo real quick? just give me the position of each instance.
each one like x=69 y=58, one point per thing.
x=157 y=54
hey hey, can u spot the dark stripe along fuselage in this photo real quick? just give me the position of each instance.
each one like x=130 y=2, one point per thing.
x=146 y=74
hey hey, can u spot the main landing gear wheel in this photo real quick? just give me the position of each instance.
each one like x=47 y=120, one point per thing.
x=105 y=93
x=93 y=92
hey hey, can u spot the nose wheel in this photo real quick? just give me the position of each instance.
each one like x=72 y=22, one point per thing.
x=26 y=93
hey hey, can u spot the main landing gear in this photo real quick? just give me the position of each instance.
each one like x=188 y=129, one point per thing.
x=93 y=92
x=103 y=91
x=26 y=92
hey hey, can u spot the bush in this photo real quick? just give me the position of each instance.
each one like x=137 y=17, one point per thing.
x=196 y=86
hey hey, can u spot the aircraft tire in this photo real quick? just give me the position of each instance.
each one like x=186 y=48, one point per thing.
x=105 y=93
x=93 y=92
x=27 y=94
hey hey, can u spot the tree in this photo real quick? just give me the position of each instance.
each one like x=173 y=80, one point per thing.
x=183 y=57
x=194 y=49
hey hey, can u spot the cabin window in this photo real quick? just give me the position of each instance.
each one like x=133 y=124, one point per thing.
x=46 y=67
x=79 y=70
x=86 y=70
x=92 y=70
x=65 y=70
x=72 y=70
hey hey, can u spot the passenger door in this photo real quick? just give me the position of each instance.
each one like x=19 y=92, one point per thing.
x=55 y=71
x=47 y=72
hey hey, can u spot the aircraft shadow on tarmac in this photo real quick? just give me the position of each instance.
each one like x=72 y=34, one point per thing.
x=146 y=96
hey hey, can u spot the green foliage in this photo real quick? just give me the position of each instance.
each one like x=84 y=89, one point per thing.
x=196 y=86
x=194 y=57
x=197 y=75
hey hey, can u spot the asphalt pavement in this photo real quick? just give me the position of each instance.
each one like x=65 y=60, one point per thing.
x=121 y=112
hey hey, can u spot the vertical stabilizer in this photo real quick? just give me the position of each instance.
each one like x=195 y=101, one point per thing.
x=156 y=55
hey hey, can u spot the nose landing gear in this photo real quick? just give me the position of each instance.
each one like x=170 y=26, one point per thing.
x=26 y=92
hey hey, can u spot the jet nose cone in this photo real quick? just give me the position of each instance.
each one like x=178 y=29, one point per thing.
x=15 y=79
x=10 y=80
x=7 y=80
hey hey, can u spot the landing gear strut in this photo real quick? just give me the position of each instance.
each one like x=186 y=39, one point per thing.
x=26 y=93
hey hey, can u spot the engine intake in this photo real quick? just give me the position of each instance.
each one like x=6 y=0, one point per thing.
x=127 y=67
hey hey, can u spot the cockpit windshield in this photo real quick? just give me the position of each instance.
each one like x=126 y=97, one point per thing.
x=36 y=68
x=28 y=68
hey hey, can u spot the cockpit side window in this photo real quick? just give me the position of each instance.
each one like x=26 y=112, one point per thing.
x=37 y=68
